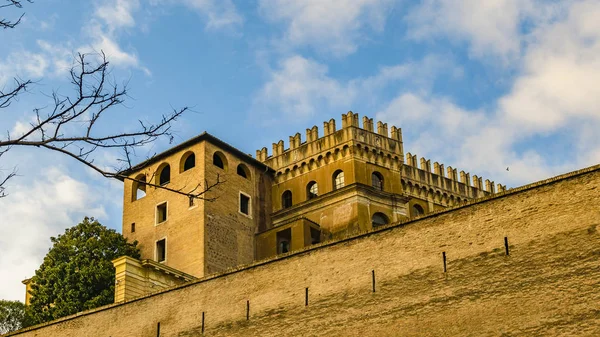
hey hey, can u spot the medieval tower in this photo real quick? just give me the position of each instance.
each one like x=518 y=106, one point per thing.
x=327 y=186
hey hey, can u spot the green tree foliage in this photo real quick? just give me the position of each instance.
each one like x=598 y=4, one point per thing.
x=77 y=273
x=12 y=316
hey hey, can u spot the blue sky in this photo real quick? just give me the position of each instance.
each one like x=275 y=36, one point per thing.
x=477 y=85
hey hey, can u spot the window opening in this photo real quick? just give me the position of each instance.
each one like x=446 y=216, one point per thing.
x=245 y=204
x=139 y=187
x=377 y=181
x=165 y=175
x=219 y=160
x=312 y=190
x=161 y=213
x=284 y=238
x=286 y=199
x=417 y=210
x=338 y=180
x=161 y=250
x=315 y=236
x=243 y=171
x=133 y=227
x=379 y=219
x=190 y=162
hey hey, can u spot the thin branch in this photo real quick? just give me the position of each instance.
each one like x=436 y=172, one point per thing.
x=5 y=23
x=3 y=182
x=70 y=126
x=6 y=97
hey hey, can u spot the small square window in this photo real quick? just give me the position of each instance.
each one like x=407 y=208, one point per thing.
x=161 y=250
x=133 y=227
x=244 y=204
x=161 y=213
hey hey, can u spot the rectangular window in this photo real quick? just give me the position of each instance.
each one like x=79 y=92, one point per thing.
x=191 y=202
x=161 y=213
x=244 y=204
x=161 y=250
x=284 y=238
x=133 y=227
x=315 y=236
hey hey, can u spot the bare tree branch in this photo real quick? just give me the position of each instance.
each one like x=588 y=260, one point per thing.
x=5 y=23
x=70 y=126
x=3 y=182
x=6 y=97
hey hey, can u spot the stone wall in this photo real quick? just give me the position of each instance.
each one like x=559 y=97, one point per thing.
x=210 y=235
x=184 y=228
x=548 y=285
x=229 y=234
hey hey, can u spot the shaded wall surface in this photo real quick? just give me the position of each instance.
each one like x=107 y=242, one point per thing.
x=548 y=285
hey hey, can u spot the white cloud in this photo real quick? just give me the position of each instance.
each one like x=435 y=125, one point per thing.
x=299 y=86
x=334 y=26
x=110 y=18
x=106 y=43
x=561 y=68
x=60 y=56
x=56 y=59
x=419 y=74
x=23 y=64
x=219 y=14
x=438 y=129
x=117 y=13
x=492 y=28
x=555 y=95
x=34 y=211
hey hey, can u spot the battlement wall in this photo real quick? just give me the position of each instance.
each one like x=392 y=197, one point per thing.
x=418 y=175
x=545 y=286
x=383 y=139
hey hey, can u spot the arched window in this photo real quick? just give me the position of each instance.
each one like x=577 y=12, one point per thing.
x=188 y=161
x=286 y=199
x=139 y=187
x=377 y=181
x=219 y=160
x=417 y=210
x=379 y=219
x=242 y=170
x=164 y=176
x=312 y=190
x=338 y=179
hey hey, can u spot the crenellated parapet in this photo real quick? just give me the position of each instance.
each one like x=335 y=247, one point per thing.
x=375 y=143
x=351 y=138
x=419 y=179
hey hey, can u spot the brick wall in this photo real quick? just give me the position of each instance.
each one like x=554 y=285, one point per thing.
x=229 y=239
x=184 y=228
x=547 y=286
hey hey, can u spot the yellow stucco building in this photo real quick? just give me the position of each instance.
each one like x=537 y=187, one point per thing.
x=324 y=187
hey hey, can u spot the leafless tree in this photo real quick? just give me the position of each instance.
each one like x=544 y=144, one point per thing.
x=69 y=126
x=6 y=23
